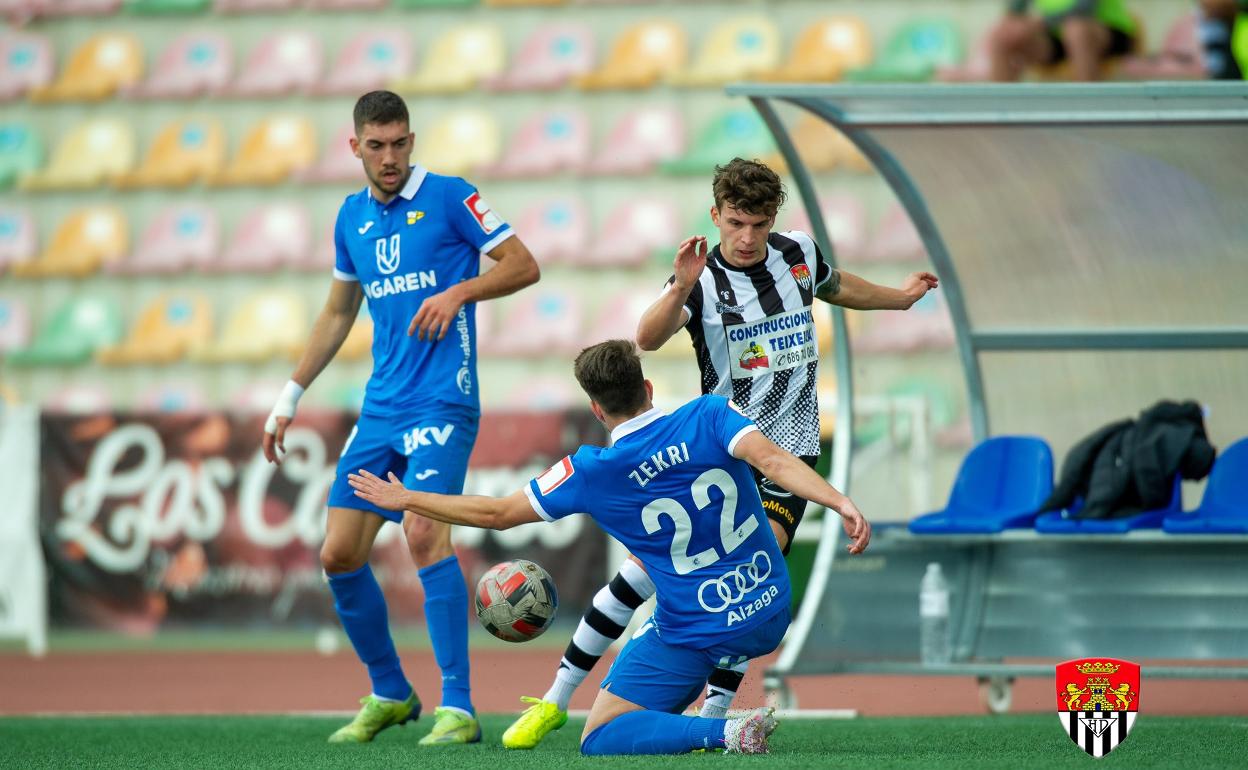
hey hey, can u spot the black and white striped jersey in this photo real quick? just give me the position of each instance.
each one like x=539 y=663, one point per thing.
x=753 y=332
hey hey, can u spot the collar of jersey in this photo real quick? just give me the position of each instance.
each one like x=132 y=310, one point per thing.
x=718 y=256
x=414 y=181
x=636 y=424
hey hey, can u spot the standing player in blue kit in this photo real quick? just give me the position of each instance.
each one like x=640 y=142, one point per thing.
x=409 y=243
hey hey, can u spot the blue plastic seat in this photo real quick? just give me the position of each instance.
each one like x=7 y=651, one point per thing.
x=1065 y=523
x=1224 y=508
x=1001 y=485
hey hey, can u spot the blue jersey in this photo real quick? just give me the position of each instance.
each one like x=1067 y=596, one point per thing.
x=427 y=239
x=671 y=491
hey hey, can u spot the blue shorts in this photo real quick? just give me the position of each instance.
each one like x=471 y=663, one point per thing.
x=667 y=677
x=429 y=453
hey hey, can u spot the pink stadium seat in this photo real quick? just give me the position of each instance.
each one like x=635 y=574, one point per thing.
x=26 y=62
x=339 y=163
x=895 y=240
x=19 y=238
x=541 y=323
x=270 y=237
x=281 y=64
x=14 y=324
x=369 y=61
x=555 y=229
x=194 y=64
x=976 y=69
x=641 y=140
x=172 y=397
x=618 y=319
x=549 y=142
x=21 y=12
x=846 y=221
x=253 y=6
x=548 y=393
x=633 y=233
x=320 y=257
x=80 y=398
x=182 y=237
x=551 y=57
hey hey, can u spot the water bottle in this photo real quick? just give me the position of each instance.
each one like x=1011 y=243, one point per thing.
x=935 y=645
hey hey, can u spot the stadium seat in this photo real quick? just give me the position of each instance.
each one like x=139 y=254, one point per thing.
x=81 y=398
x=459 y=142
x=555 y=229
x=85 y=240
x=250 y=399
x=77 y=8
x=459 y=59
x=914 y=52
x=359 y=342
x=896 y=239
x=346 y=5
x=91 y=154
x=26 y=62
x=925 y=326
x=321 y=257
x=548 y=59
x=371 y=59
x=976 y=69
x=167 y=328
x=542 y=393
x=737 y=132
x=269 y=237
x=253 y=6
x=184 y=152
x=284 y=63
x=640 y=57
x=1001 y=484
x=549 y=142
x=182 y=237
x=165 y=7
x=14 y=324
x=1224 y=507
x=96 y=70
x=1181 y=56
x=419 y=4
x=337 y=163
x=194 y=64
x=270 y=323
x=518 y=3
x=845 y=218
x=172 y=397
x=73 y=333
x=618 y=318
x=21 y=152
x=736 y=49
x=821 y=147
x=823 y=51
x=19 y=237
x=641 y=140
x=540 y=323
x=272 y=150
x=633 y=232
x=1066 y=523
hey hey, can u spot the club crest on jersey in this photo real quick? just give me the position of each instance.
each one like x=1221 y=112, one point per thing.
x=415 y=216
x=481 y=211
x=554 y=476
x=801 y=274
x=754 y=357
x=1097 y=702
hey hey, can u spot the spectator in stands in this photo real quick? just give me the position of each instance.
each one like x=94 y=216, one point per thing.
x=1083 y=32
x=1224 y=38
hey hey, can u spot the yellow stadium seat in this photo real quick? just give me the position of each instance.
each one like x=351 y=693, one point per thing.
x=821 y=147
x=167 y=329
x=185 y=151
x=460 y=142
x=824 y=50
x=359 y=342
x=736 y=49
x=86 y=240
x=457 y=61
x=88 y=156
x=96 y=70
x=271 y=151
x=266 y=324
x=642 y=55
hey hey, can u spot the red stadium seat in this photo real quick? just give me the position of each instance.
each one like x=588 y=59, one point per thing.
x=371 y=59
x=555 y=229
x=283 y=63
x=270 y=237
x=641 y=140
x=549 y=142
x=194 y=64
x=549 y=59
x=182 y=237
x=26 y=62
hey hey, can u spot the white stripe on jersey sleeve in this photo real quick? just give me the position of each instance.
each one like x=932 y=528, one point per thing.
x=344 y=276
x=732 y=445
x=537 y=507
x=504 y=235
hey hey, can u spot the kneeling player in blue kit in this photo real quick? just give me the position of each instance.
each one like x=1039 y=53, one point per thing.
x=677 y=490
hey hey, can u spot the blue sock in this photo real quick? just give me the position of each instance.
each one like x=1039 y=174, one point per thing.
x=362 y=610
x=446 y=612
x=654 y=732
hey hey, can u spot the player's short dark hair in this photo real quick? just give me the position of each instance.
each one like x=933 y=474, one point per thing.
x=379 y=108
x=749 y=186
x=610 y=373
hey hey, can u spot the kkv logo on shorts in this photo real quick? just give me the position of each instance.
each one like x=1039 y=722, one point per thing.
x=423 y=437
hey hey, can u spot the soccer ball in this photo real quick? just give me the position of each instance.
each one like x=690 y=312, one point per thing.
x=516 y=600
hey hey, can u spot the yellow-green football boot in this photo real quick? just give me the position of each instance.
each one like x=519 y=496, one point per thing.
x=452 y=726
x=375 y=716
x=538 y=720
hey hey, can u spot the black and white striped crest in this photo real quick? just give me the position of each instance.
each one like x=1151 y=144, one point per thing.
x=1097 y=732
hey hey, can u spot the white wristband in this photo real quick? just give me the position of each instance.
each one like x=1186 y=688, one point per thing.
x=285 y=406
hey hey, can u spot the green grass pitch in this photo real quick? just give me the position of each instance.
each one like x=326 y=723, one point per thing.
x=1015 y=741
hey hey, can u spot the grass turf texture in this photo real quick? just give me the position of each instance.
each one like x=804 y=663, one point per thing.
x=1015 y=741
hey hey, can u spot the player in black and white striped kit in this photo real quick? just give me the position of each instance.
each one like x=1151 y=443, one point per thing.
x=747 y=305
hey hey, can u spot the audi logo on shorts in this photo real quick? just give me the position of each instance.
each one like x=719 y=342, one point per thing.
x=732 y=587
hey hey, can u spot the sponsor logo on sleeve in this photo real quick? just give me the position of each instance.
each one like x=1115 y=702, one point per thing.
x=555 y=476
x=481 y=211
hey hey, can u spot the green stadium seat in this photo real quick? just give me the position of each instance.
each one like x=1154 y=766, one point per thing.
x=914 y=52
x=734 y=133
x=75 y=331
x=21 y=152
x=165 y=7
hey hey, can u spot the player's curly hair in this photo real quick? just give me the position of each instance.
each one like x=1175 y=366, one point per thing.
x=379 y=108
x=610 y=374
x=749 y=186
